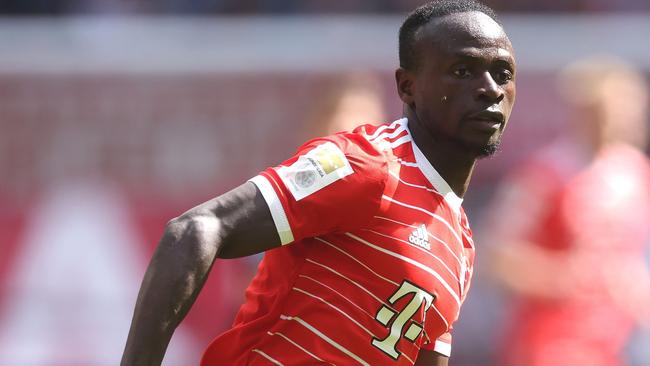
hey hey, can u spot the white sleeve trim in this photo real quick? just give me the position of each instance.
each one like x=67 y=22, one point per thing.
x=442 y=347
x=275 y=206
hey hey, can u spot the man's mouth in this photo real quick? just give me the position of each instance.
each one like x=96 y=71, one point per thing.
x=487 y=120
x=488 y=115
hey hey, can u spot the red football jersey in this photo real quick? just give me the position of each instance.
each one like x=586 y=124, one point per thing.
x=376 y=259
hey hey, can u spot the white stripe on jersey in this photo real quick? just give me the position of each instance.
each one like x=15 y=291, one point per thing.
x=390 y=135
x=420 y=249
x=414 y=185
x=363 y=310
x=364 y=289
x=469 y=239
x=268 y=357
x=298 y=346
x=352 y=281
x=408 y=358
x=437 y=217
x=275 y=206
x=381 y=129
x=439 y=315
x=430 y=235
x=337 y=309
x=408 y=163
x=442 y=348
x=325 y=338
x=358 y=261
x=400 y=141
x=338 y=293
x=435 y=274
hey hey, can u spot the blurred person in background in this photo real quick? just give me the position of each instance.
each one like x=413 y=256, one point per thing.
x=368 y=251
x=350 y=100
x=570 y=225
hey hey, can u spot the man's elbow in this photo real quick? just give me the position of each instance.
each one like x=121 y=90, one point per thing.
x=194 y=234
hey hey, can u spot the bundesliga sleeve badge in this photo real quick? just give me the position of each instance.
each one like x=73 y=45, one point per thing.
x=315 y=170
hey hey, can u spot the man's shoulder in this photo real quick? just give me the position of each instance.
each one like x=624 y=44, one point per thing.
x=365 y=141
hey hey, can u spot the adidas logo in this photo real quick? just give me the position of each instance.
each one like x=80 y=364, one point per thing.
x=420 y=237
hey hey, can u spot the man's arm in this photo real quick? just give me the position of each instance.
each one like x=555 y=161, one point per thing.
x=235 y=224
x=431 y=358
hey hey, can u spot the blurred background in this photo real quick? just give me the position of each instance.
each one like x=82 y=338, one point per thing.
x=116 y=116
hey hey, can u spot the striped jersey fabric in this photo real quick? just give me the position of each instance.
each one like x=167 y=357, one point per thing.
x=376 y=260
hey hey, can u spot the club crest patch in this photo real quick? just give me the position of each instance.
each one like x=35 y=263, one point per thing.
x=315 y=170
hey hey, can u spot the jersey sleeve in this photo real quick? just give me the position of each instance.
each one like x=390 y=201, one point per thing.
x=331 y=184
x=441 y=345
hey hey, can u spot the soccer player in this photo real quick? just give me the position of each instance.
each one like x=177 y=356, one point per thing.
x=368 y=251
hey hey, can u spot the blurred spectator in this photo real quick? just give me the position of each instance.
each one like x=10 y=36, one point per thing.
x=349 y=100
x=569 y=227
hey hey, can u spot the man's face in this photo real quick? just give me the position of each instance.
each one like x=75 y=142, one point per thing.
x=463 y=88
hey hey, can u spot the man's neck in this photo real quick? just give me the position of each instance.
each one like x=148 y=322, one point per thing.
x=454 y=163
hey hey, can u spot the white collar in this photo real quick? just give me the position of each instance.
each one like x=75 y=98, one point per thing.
x=436 y=180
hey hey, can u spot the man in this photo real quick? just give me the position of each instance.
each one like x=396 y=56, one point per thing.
x=371 y=251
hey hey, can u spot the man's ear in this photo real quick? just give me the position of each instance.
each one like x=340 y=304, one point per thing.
x=405 y=80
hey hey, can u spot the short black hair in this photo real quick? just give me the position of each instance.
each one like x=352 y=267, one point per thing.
x=423 y=15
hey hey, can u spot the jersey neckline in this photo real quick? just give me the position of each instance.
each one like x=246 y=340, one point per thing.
x=432 y=175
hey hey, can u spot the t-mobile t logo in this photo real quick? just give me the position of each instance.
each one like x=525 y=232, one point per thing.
x=385 y=314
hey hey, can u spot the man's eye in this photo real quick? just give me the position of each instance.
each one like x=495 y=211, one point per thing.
x=461 y=72
x=503 y=76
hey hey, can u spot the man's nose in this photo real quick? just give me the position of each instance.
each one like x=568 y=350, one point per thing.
x=488 y=89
